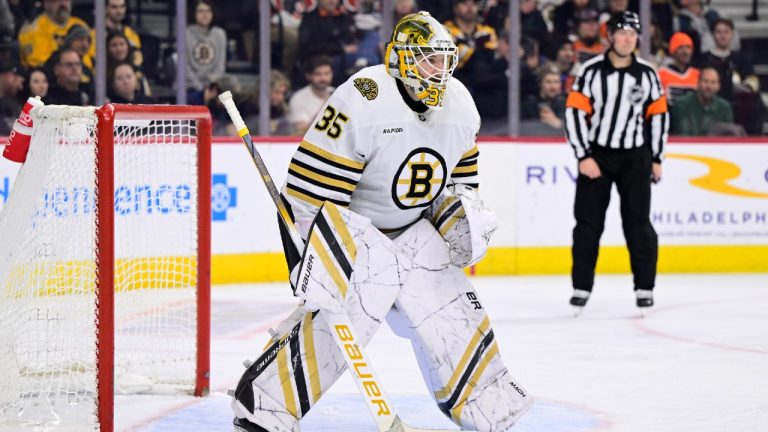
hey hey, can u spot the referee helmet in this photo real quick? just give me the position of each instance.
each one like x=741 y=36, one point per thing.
x=624 y=20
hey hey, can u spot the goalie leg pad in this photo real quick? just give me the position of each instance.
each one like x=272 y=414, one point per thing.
x=444 y=318
x=346 y=262
x=294 y=372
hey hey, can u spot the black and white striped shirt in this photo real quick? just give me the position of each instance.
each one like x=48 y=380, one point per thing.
x=616 y=108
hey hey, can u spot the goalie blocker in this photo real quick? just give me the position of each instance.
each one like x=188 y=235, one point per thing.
x=412 y=283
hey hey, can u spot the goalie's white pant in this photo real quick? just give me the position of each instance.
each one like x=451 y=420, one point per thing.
x=424 y=299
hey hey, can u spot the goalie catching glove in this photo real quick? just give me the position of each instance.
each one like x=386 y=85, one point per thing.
x=464 y=222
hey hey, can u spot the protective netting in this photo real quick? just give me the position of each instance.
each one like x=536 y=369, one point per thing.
x=48 y=268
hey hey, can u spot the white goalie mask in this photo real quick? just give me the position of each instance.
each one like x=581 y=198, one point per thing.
x=421 y=54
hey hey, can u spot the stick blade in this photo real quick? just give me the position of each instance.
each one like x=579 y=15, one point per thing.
x=399 y=426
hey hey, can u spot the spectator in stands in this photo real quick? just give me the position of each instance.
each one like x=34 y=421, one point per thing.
x=696 y=20
x=119 y=50
x=279 y=121
x=703 y=112
x=532 y=21
x=566 y=15
x=124 y=86
x=735 y=69
x=495 y=13
x=476 y=43
x=659 y=45
x=279 y=86
x=738 y=82
x=284 y=36
x=309 y=100
x=329 y=31
x=6 y=18
x=11 y=85
x=222 y=125
x=206 y=51
x=367 y=21
x=23 y=11
x=403 y=8
x=114 y=21
x=679 y=77
x=492 y=89
x=662 y=16
x=565 y=60
x=440 y=9
x=588 y=43
x=9 y=46
x=79 y=39
x=43 y=36
x=35 y=84
x=67 y=69
x=531 y=60
x=542 y=114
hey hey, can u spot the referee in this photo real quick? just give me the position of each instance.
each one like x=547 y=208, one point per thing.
x=616 y=120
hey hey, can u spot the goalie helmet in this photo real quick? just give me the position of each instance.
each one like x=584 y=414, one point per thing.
x=421 y=54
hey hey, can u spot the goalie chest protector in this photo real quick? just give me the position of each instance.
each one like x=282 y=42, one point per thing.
x=368 y=141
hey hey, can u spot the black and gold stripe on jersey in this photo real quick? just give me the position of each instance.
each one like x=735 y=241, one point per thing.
x=481 y=350
x=466 y=171
x=316 y=175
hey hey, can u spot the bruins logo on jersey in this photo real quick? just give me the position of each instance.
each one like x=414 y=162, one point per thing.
x=367 y=87
x=420 y=179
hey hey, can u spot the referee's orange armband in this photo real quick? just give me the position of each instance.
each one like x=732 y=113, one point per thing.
x=579 y=101
x=659 y=106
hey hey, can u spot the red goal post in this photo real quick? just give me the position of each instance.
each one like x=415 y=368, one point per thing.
x=107 y=115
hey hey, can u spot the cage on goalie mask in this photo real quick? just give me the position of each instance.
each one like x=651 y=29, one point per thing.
x=464 y=223
x=421 y=54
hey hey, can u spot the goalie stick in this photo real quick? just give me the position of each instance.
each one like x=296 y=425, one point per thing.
x=357 y=360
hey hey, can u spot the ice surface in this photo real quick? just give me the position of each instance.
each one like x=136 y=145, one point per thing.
x=698 y=361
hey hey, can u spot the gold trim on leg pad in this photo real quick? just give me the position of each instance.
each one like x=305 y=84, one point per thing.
x=470 y=387
x=286 y=382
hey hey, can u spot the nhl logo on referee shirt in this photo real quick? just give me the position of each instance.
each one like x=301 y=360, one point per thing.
x=420 y=179
x=636 y=94
x=367 y=87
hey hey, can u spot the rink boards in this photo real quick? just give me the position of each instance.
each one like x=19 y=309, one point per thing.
x=710 y=210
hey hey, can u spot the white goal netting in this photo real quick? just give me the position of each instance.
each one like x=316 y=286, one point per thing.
x=49 y=240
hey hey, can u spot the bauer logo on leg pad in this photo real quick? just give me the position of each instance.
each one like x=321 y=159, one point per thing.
x=307 y=273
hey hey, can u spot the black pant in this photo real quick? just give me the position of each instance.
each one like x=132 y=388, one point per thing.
x=631 y=171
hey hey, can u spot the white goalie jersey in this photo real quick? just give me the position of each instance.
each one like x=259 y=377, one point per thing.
x=370 y=152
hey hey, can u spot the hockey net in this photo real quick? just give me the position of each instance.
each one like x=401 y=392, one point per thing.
x=104 y=248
